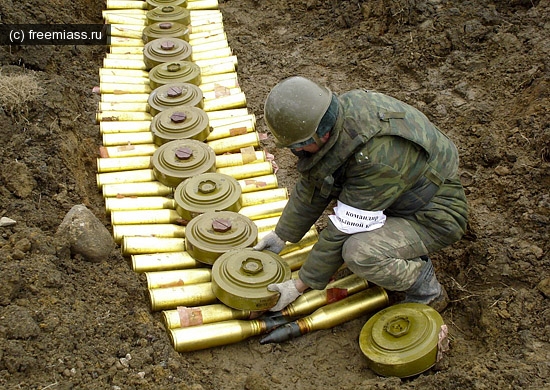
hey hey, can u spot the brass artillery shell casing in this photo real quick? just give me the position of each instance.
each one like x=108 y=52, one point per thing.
x=331 y=315
x=224 y=67
x=310 y=238
x=203 y=34
x=111 y=116
x=127 y=42
x=122 y=19
x=203 y=5
x=232 y=129
x=122 y=73
x=216 y=45
x=201 y=18
x=218 y=53
x=265 y=210
x=224 y=102
x=125 y=4
x=217 y=81
x=138 y=175
x=126 y=30
x=113 y=127
x=117 y=164
x=296 y=258
x=181 y=277
x=128 y=150
x=139 y=203
x=215 y=334
x=183 y=317
x=126 y=50
x=216 y=120
x=136 y=12
x=198 y=39
x=198 y=28
x=266 y=224
x=224 y=83
x=234 y=144
x=163 y=261
x=152 y=188
x=133 y=245
x=235 y=159
x=347 y=309
x=311 y=300
x=122 y=64
x=258 y=183
x=262 y=197
x=219 y=61
x=125 y=97
x=246 y=171
x=119 y=79
x=135 y=217
x=124 y=56
x=190 y=295
x=121 y=139
x=152 y=230
x=120 y=89
x=249 y=170
x=234 y=113
x=128 y=107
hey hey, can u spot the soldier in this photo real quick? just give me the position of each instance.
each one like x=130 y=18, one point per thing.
x=393 y=175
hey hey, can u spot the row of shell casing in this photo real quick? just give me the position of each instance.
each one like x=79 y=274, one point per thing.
x=196 y=260
x=204 y=163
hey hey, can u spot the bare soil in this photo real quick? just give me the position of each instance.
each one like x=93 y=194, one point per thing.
x=478 y=69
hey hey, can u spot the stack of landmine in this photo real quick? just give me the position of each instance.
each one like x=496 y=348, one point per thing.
x=172 y=113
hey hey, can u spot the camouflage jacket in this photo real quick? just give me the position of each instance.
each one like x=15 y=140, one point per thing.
x=382 y=155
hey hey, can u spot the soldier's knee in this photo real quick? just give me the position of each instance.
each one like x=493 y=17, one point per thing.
x=354 y=253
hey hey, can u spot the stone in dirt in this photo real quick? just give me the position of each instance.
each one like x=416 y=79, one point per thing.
x=5 y=221
x=86 y=235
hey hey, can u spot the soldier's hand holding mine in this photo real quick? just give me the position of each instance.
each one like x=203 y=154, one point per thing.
x=272 y=242
x=289 y=293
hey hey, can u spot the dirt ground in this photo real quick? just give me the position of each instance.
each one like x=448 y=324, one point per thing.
x=478 y=69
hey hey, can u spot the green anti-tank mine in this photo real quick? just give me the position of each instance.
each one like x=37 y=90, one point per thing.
x=240 y=278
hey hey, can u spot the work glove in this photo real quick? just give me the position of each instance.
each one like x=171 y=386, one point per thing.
x=271 y=242
x=289 y=293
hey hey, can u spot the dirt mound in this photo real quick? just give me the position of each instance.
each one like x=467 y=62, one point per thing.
x=479 y=70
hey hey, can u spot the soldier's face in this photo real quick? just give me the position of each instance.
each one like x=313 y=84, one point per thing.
x=310 y=148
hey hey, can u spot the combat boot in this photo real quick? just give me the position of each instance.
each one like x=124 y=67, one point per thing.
x=426 y=289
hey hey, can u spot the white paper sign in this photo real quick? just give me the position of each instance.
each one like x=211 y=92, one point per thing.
x=351 y=220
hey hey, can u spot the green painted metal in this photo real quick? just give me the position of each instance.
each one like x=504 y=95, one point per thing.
x=165 y=49
x=178 y=123
x=175 y=71
x=214 y=233
x=401 y=340
x=178 y=160
x=151 y=4
x=240 y=278
x=206 y=192
x=169 y=13
x=175 y=94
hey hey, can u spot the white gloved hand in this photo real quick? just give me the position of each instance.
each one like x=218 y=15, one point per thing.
x=271 y=242
x=289 y=293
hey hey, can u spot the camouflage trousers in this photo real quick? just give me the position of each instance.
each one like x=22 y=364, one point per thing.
x=390 y=256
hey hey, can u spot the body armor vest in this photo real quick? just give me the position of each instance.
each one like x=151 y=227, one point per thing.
x=366 y=114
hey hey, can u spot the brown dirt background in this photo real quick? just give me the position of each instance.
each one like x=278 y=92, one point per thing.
x=478 y=69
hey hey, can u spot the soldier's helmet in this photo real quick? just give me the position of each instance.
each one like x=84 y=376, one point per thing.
x=294 y=108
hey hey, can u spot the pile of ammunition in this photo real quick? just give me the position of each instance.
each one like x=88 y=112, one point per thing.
x=168 y=84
